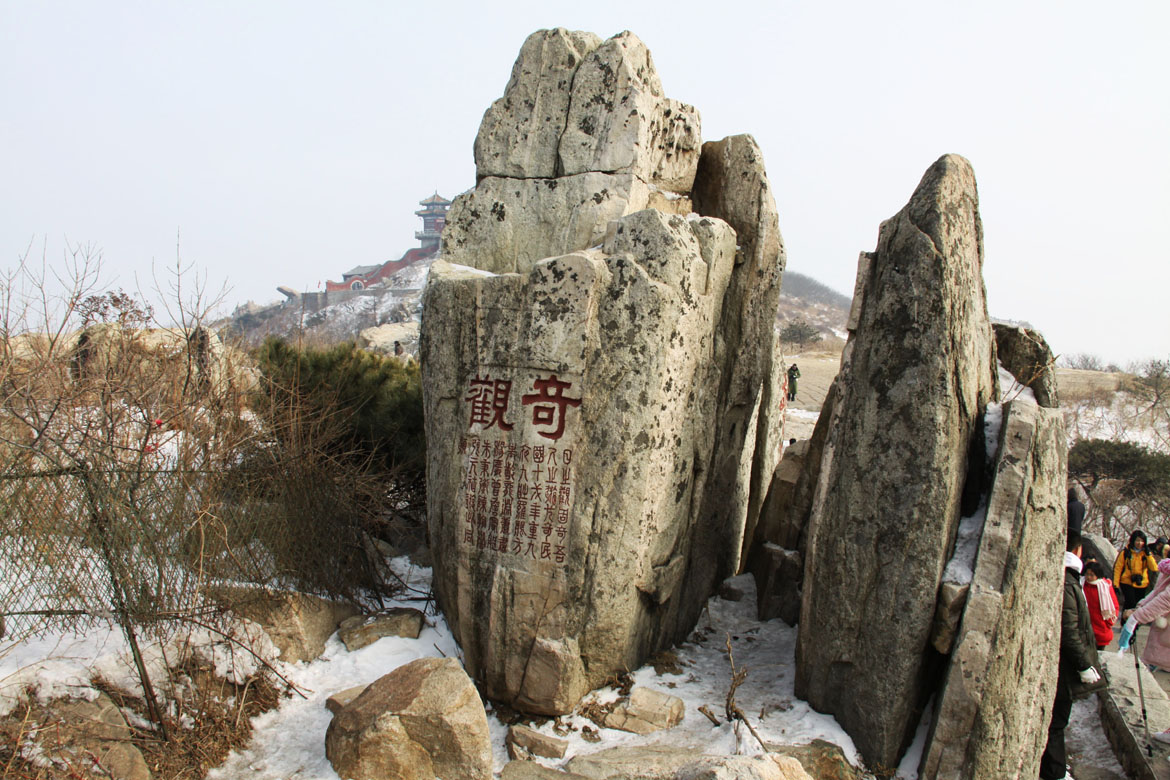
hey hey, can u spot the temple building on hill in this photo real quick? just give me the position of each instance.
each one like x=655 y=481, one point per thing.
x=434 y=217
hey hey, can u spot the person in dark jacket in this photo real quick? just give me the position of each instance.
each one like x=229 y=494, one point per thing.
x=793 y=375
x=1078 y=656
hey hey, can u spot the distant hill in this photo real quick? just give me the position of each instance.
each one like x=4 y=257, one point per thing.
x=811 y=291
x=802 y=297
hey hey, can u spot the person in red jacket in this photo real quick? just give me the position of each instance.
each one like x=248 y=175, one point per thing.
x=1102 y=603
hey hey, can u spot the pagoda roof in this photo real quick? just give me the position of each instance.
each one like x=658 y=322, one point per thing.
x=435 y=200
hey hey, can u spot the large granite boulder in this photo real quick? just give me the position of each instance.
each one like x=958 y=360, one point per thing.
x=297 y=623
x=566 y=411
x=991 y=715
x=423 y=720
x=599 y=383
x=917 y=372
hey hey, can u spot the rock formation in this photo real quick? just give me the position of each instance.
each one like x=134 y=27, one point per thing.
x=422 y=720
x=597 y=372
x=991 y=715
x=916 y=374
x=1025 y=354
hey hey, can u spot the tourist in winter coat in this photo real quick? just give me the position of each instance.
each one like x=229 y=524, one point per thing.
x=793 y=375
x=1078 y=658
x=1102 y=603
x=1154 y=610
x=1131 y=570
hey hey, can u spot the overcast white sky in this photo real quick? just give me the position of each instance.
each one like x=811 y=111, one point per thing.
x=286 y=142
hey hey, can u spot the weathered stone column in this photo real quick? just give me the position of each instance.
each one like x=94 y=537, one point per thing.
x=917 y=372
x=596 y=360
x=568 y=438
x=991 y=714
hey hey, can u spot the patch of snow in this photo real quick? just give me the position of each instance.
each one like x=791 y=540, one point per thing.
x=961 y=567
x=472 y=271
x=1010 y=389
x=802 y=414
x=992 y=422
x=908 y=767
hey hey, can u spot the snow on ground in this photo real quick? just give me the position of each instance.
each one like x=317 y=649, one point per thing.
x=289 y=742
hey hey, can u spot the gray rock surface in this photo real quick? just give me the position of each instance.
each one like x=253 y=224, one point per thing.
x=620 y=122
x=732 y=185
x=1097 y=546
x=990 y=718
x=520 y=134
x=534 y=743
x=646 y=711
x=581 y=593
x=336 y=702
x=668 y=762
x=508 y=225
x=297 y=623
x=531 y=770
x=423 y=720
x=362 y=630
x=1026 y=355
x=88 y=731
x=917 y=371
x=616 y=332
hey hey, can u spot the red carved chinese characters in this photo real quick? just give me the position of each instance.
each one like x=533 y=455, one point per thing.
x=489 y=401
x=526 y=512
x=549 y=403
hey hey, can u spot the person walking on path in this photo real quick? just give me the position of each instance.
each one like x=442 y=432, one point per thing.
x=793 y=375
x=1154 y=609
x=1078 y=658
x=1131 y=570
x=1102 y=603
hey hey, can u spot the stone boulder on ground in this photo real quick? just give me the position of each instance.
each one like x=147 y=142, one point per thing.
x=991 y=715
x=646 y=711
x=670 y=762
x=916 y=374
x=362 y=630
x=91 y=734
x=600 y=386
x=564 y=403
x=421 y=721
x=297 y=623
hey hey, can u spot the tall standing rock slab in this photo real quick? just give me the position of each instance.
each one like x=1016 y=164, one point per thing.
x=732 y=184
x=567 y=413
x=991 y=716
x=581 y=346
x=917 y=372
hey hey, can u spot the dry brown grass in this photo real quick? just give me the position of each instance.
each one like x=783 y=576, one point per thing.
x=218 y=714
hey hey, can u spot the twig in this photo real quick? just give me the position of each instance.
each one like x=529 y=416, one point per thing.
x=710 y=715
x=732 y=709
x=253 y=653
